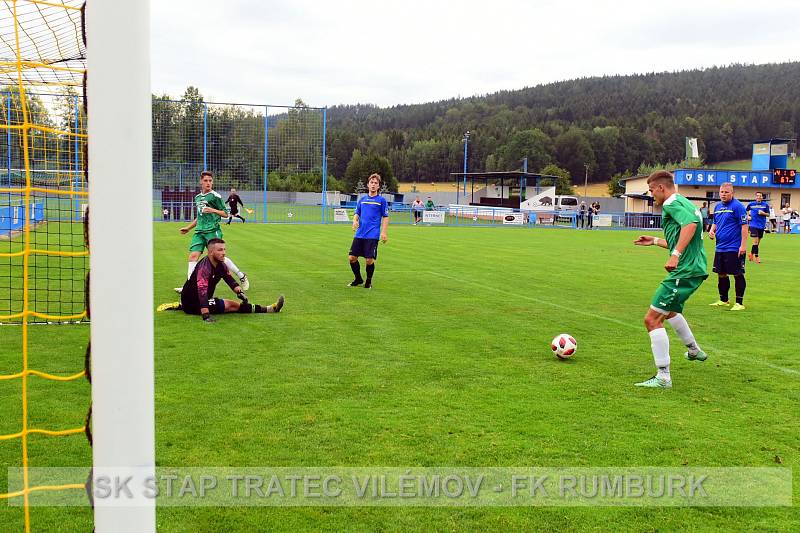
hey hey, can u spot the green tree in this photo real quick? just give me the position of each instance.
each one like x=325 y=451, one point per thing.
x=604 y=143
x=362 y=165
x=533 y=144
x=562 y=180
x=573 y=150
x=615 y=186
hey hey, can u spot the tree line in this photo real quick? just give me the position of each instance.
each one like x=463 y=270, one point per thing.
x=613 y=124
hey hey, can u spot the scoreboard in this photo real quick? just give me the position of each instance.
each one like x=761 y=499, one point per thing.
x=784 y=176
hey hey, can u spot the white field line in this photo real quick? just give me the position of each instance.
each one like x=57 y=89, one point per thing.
x=606 y=318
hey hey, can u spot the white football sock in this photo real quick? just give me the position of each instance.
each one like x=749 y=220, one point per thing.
x=192 y=264
x=232 y=267
x=659 y=343
x=681 y=327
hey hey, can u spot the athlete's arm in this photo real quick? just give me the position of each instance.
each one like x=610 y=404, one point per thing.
x=687 y=232
x=208 y=209
x=647 y=240
x=186 y=229
x=232 y=283
x=384 y=225
x=745 y=234
x=355 y=221
x=203 y=271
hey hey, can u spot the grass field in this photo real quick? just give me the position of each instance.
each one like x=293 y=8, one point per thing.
x=445 y=362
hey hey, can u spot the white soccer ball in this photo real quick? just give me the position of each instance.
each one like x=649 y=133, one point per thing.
x=564 y=346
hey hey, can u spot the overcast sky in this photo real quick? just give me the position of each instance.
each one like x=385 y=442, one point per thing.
x=414 y=51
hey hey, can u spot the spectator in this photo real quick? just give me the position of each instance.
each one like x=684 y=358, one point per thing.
x=773 y=220
x=582 y=215
x=416 y=208
x=786 y=216
x=429 y=205
x=704 y=214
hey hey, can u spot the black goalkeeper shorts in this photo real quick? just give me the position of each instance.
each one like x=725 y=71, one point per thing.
x=216 y=306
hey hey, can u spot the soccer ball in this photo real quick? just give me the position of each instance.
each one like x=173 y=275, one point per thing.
x=564 y=346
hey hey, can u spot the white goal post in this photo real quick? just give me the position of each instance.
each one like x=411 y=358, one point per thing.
x=121 y=244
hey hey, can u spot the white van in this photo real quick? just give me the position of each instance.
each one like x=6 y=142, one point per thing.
x=548 y=201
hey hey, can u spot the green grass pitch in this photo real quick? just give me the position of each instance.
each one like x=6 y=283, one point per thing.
x=445 y=362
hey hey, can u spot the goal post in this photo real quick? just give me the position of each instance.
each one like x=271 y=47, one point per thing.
x=120 y=162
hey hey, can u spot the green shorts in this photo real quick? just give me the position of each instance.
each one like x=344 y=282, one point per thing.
x=672 y=294
x=200 y=240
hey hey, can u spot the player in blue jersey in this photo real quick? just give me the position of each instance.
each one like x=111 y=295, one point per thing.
x=369 y=223
x=730 y=231
x=757 y=212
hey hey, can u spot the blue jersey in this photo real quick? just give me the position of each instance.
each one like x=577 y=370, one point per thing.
x=729 y=218
x=758 y=221
x=370 y=211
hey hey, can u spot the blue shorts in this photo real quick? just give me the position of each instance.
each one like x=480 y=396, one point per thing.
x=367 y=248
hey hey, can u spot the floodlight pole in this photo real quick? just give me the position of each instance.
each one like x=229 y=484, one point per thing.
x=122 y=268
x=466 y=144
x=585 y=180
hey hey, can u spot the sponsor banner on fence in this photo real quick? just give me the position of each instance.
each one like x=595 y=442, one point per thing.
x=602 y=221
x=516 y=219
x=340 y=215
x=411 y=486
x=433 y=217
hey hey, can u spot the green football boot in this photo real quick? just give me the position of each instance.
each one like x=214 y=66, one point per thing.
x=655 y=383
x=699 y=356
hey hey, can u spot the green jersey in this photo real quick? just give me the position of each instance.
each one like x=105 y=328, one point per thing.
x=207 y=222
x=677 y=212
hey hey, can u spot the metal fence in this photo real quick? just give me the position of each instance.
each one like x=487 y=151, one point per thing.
x=260 y=148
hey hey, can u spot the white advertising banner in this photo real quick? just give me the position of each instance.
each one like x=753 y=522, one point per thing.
x=516 y=219
x=603 y=221
x=433 y=217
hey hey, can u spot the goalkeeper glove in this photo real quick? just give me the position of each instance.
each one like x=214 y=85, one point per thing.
x=208 y=319
x=242 y=296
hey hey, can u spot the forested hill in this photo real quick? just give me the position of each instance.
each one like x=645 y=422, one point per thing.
x=613 y=123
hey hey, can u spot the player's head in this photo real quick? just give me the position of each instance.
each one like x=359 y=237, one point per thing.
x=374 y=183
x=216 y=249
x=759 y=196
x=233 y=191
x=206 y=180
x=726 y=192
x=661 y=185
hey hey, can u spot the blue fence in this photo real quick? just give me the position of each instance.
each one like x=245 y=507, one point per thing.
x=466 y=216
x=12 y=217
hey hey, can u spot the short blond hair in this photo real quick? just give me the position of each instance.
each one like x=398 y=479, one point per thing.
x=661 y=177
x=375 y=176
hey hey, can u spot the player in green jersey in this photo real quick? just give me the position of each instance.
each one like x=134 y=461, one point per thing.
x=210 y=208
x=686 y=267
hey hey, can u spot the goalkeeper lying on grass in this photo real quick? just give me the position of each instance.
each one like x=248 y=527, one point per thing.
x=197 y=297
